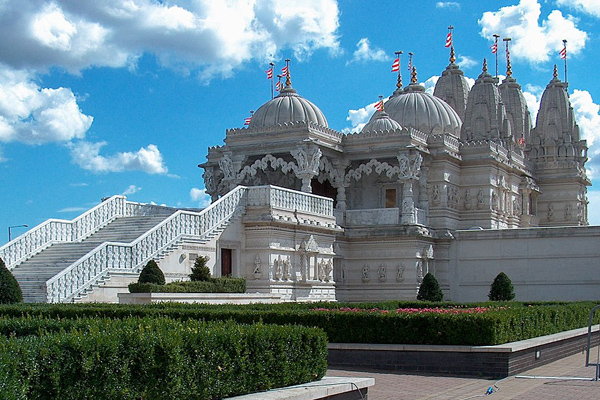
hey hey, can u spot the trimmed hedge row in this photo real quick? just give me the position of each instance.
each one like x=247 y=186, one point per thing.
x=153 y=358
x=510 y=322
x=213 y=285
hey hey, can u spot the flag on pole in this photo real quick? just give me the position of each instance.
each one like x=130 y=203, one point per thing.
x=396 y=65
x=269 y=73
x=278 y=86
x=449 y=39
x=379 y=105
x=247 y=120
x=494 y=48
x=410 y=64
x=284 y=71
x=563 y=53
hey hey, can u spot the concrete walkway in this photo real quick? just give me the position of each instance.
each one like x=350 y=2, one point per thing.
x=397 y=386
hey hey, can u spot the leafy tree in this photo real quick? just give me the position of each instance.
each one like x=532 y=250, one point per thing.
x=430 y=289
x=152 y=274
x=501 y=289
x=10 y=291
x=200 y=271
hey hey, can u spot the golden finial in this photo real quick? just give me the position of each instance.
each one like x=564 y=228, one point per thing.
x=485 y=65
x=452 y=55
x=288 y=79
x=413 y=76
x=508 y=66
x=399 y=83
x=555 y=72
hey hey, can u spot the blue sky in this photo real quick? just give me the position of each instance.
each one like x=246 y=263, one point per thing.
x=125 y=96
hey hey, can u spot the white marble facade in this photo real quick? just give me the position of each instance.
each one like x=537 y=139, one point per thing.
x=421 y=169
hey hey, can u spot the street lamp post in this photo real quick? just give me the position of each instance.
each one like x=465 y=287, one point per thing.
x=15 y=226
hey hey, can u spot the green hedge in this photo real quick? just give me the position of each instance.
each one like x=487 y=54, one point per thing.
x=153 y=358
x=517 y=321
x=213 y=285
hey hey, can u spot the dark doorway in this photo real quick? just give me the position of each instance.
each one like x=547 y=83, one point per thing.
x=226 y=262
x=324 y=189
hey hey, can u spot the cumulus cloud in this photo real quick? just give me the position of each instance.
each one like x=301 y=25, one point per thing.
x=531 y=40
x=212 y=37
x=34 y=115
x=587 y=115
x=132 y=189
x=87 y=156
x=591 y=7
x=466 y=62
x=451 y=5
x=364 y=52
x=200 y=196
x=533 y=95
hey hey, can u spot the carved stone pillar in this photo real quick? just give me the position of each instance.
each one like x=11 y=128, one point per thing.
x=307 y=160
x=408 y=203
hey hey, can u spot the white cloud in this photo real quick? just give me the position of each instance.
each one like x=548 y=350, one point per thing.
x=533 y=95
x=531 y=40
x=132 y=189
x=466 y=62
x=200 y=196
x=364 y=52
x=82 y=184
x=211 y=37
x=359 y=118
x=72 y=210
x=591 y=7
x=87 y=156
x=587 y=115
x=448 y=5
x=429 y=84
x=35 y=115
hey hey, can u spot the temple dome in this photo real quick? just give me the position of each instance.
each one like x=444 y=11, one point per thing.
x=288 y=106
x=417 y=109
x=381 y=121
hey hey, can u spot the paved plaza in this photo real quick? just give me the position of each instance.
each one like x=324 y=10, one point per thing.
x=538 y=383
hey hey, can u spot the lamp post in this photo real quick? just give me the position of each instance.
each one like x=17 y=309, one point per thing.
x=15 y=226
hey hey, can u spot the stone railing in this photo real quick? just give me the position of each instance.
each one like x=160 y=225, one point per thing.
x=287 y=199
x=96 y=265
x=56 y=230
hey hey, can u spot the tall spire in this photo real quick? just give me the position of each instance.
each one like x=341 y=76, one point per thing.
x=508 y=66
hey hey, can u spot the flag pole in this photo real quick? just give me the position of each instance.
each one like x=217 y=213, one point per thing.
x=272 y=64
x=508 y=66
x=399 y=83
x=496 y=36
x=565 y=50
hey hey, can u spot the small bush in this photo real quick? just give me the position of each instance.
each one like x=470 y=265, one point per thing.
x=10 y=291
x=200 y=271
x=501 y=289
x=430 y=289
x=152 y=274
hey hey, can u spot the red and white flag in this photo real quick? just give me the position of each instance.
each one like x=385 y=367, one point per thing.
x=396 y=65
x=494 y=48
x=278 y=86
x=449 y=39
x=247 y=121
x=521 y=142
x=269 y=73
x=379 y=105
x=284 y=71
x=410 y=64
x=563 y=53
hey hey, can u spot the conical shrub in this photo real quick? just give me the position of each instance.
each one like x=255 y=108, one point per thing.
x=200 y=271
x=430 y=289
x=502 y=288
x=10 y=291
x=152 y=274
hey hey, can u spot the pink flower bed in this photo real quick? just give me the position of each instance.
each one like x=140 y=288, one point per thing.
x=436 y=310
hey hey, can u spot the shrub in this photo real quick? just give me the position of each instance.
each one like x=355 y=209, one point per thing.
x=501 y=289
x=152 y=274
x=10 y=291
x=214 y=285
x=200 y=271
x=430 y=289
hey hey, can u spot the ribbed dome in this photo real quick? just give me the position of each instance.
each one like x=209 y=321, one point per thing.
x=415 y=108
x=288 y=106
x=381 y=121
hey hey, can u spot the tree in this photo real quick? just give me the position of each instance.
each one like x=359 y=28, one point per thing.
x=200 y=271
x=10 y=291
x=152 y=274
x=501 y=289
x=430 y=289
